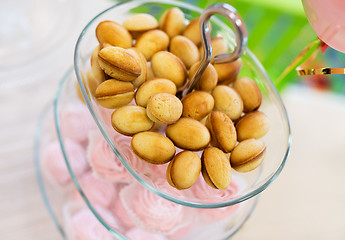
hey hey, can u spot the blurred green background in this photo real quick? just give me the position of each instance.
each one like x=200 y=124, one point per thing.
x=278 y=30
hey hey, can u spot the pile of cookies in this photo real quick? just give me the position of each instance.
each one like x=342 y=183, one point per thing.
x=149 y=61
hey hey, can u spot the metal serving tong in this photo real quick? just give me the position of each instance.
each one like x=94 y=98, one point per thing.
x=241 y=41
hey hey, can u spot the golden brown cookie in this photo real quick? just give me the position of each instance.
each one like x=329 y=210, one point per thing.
x=151 y=87
x=139 y=23
x=129 y=120
x=227 y=72
x=143 y=65
x=96 y=70
x=249 y=92
x=216 y=168
x=164 y=108
x=222 y=130
x=197 y=105
x=248 y=155
x=219 y=47
x=227 y=100
x=113 y=93
x=189 y=134
x=192 y=31
x=167 y=65
x=185 y=50
x=114 y=34
x=183 y=170
x=252 y=125
x=172 y=22
x=119 y=63
x=208 y=80
x=153 y=147
x=152 y=42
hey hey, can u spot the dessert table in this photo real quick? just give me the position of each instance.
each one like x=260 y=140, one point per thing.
x=305 y=202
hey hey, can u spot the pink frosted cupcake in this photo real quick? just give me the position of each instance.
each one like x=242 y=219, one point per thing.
x=104 y=162
x=76 y=122
x=98 y=192
x=54 y=163
x=154 y=213
x=139 y=234
x=85 y=226
x=206 y=194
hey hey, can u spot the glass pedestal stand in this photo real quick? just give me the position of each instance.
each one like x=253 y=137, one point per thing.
x=96 y=188
x=63 y=199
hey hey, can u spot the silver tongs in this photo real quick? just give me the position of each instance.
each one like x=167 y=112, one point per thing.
x=241 y=41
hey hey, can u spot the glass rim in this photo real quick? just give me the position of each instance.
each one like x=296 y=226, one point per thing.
x=63 y=150
x=148 y=186
x=39 y=177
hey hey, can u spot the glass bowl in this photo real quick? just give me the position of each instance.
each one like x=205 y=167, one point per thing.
x=277 y=139
x=62 y=133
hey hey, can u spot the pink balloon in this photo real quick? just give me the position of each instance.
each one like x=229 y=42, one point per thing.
x=327 y=17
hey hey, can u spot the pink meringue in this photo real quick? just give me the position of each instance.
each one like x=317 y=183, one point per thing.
x=104 y=162
x=98 y=192
x=150 y=211
x=203 y=192
x=123 y=145
x=121 y=213
x=139 y=234
x=75 y=122
x=86 y=226
x=54 y=163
